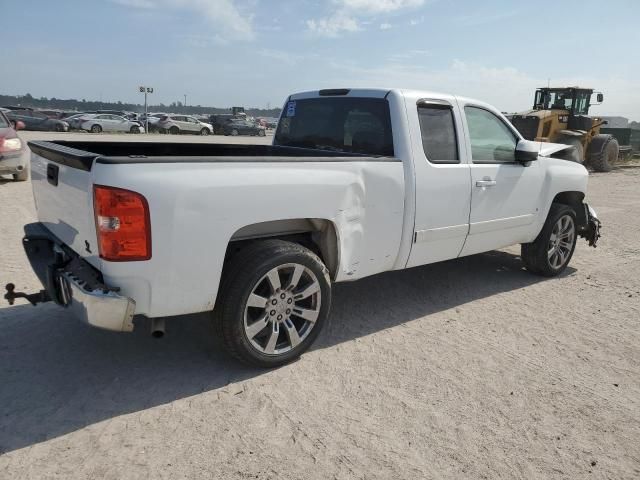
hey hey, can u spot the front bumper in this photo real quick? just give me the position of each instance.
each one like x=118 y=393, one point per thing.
x=12 y=163
x=74 y=284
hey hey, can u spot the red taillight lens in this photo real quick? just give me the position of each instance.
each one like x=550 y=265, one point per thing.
x=123 y=224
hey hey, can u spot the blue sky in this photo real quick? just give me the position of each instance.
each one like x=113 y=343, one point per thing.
x=255 y=52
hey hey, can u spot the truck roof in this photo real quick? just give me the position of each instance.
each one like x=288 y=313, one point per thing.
x=409 y=94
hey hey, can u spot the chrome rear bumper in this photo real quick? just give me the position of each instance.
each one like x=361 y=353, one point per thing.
x=74 y=284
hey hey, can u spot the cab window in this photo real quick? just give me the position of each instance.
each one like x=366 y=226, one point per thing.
x=438 y=132
x=491 y=140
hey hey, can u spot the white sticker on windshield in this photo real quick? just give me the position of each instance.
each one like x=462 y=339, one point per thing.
x=291 y=109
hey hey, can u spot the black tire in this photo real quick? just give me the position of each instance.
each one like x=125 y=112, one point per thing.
x=204 y=132
x=242 y=275
x=577 y=152
x=96 y=128
x=134 y=129
x=58 y=128
x=21 y=176
x=234 y=133
x=604 y=150
x=261 y=133
x=535 y=255
x=174 y=130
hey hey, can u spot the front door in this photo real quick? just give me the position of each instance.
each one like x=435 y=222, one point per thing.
x=505 y=193
x=443 y=184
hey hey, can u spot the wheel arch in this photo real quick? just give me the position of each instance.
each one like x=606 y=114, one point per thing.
x=573 y=199
x=319 y=235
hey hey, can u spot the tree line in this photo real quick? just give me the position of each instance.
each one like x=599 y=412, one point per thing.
x=89 y=105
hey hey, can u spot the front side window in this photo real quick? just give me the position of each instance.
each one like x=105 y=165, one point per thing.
x=438 y=132
x=337 y=124
x=4 y=123
x=491 y=140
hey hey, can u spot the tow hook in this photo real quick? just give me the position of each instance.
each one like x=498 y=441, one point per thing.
x=33 y=298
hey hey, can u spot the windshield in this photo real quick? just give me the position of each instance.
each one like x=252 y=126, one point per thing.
x=338 y=124
x=563 y=100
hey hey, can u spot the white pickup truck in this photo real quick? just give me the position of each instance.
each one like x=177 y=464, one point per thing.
x=357 y=182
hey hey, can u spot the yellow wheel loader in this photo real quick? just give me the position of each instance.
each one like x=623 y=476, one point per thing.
x=561 y=115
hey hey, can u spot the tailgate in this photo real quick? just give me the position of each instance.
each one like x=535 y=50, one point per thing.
x=63 y=194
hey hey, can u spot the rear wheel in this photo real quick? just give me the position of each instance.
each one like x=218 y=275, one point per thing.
x=549 y=254
x=174 y=130
x=261 y=133
x=234 y=132
x=96 y=129
x=134 y=129
x=58 y=128
x=274 y=299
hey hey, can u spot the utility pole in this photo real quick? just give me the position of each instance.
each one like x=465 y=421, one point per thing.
x=146 y=91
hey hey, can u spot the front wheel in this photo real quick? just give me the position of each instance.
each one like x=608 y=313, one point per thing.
x=204 y=132
x=234 y=133
x=96 y=129
x=275 y=298
x=134 y=129
x=261 y=133
x=549 y=254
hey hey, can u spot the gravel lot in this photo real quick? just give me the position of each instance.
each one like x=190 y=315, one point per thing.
x=471 y=368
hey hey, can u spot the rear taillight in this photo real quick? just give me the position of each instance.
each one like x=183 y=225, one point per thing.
x=10 y=145
x=123 y=224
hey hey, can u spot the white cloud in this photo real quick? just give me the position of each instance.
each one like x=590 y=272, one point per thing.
x=416 y=21
x=223 y=15
x=378 y=6
x=334 y=25
x=282 y=56
x=346 y=15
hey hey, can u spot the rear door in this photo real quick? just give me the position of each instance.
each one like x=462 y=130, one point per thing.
x=443 y=183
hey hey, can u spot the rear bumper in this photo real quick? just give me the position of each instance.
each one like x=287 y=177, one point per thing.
x=74 y=284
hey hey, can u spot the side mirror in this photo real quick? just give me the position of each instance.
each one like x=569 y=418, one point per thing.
x=600 y=98
x=526 y=151
x=20 y=125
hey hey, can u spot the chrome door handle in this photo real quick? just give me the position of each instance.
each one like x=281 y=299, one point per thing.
x=485 y=183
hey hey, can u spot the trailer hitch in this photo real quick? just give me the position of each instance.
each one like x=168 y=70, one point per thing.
x=33 y=298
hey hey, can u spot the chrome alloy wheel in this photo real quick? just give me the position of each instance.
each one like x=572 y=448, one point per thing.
x=561 y=241
x=282 y=309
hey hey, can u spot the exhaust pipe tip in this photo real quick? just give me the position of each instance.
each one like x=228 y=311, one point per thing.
x=157 y=327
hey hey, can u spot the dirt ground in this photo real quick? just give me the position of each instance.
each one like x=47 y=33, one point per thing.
x=471 y=368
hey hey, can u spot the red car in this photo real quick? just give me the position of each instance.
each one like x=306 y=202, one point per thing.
x=12 y=150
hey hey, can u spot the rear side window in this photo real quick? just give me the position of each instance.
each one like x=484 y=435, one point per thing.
x=439 y=139
x=337 y=124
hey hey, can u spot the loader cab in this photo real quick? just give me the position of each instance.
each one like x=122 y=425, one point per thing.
x=576 y=101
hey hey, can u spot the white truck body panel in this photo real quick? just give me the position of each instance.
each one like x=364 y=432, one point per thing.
x=388 y=214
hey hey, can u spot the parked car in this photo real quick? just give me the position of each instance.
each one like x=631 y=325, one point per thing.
x=177 y=124
x=153 y=119
x=219 y=120
x=243 y=127
x=110 y=123
x=76 y=120
x=357 y=182
x=13 y=155
x=36 y=121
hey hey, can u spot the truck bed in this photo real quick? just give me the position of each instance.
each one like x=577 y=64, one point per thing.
x=83 y=155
